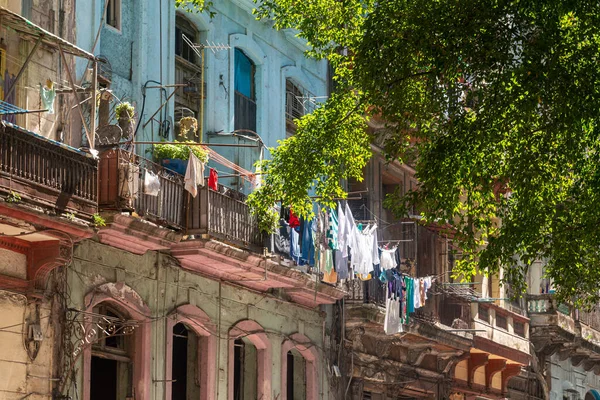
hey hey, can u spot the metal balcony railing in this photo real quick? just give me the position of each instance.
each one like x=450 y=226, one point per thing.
x=224 y=216
x=121 y=188
x=47 y=173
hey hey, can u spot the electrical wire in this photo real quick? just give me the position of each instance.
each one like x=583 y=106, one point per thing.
x=152 y=319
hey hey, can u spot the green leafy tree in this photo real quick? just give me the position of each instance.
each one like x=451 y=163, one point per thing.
x=499 y=100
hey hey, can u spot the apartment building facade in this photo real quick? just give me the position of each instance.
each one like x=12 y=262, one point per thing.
x=107 y=291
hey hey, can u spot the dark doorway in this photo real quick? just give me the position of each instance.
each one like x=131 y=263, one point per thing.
x=104 y=379
x=180 y=363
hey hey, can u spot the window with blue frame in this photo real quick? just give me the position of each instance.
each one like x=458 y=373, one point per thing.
x=245 y=92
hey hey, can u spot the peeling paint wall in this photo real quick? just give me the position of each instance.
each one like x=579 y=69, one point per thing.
x=277 y=55
x=567 y=379
x=26 y=366
x=144 y=50
x=141 y=51
x=56 y=17
x=163 y=286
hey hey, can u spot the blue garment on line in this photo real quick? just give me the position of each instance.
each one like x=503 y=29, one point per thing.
x=308 y=245
x=294 y=245
x=341 y=265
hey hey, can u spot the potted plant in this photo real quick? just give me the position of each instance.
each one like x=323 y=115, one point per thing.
x=175 y=156
x=125 y=112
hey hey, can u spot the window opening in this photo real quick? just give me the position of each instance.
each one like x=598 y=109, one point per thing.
x=296 y=376
x=298 y=102
x=113 y=13
x=245 y=377
x=111 y=366
x=519 y=328
x=182 y=49
x=188 y=71
x=501 y=321
x=185 y=384
x=484 y=314
x=245 y=92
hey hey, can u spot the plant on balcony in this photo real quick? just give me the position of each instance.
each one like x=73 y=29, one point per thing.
x=125 y=112
x=174 y=156
x=13 y=197
x=99 y=222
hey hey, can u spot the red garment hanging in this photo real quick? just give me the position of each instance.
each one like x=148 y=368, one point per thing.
x=294 y=221
x=213 y=179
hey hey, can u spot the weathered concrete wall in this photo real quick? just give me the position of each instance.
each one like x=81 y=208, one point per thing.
x=144 y=50
x=163 y=287
x=26 y=366
x=141 y=51
x=565 y=379
x=55 y=17
x=277 y=55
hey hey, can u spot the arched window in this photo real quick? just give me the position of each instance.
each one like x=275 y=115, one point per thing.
x=185 y=369
x=299 y=359
x=296 y=376
x=190 y=355
x=244 y=370
x=245 y=92
x=249 y=362
x=116 y=344
x=111 y=365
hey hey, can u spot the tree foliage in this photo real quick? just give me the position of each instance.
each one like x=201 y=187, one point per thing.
x=490 y=94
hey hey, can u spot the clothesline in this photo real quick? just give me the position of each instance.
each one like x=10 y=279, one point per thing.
x=404 y=295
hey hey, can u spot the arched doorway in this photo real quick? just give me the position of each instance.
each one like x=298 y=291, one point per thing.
x=592 y=394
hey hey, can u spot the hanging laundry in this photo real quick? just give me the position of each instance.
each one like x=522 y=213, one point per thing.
x=330 y=277
x=351 y=232
x=428 y=281
x=363 y=252
x=410 y=298
x=213 y=179
x=151 y=183
x=364 y=277
x=294 y=245
x=282 y=238
x=392 y=323
x=341 y=265
x=47 y=96
x=329 y=274
x=374 y=246
x=293 y=220
x=341 y=238
x=308 y=244
x=328 y=260
x=416 y=293
x=388 y=259
x=332 y=230
x=194 y=175
x=403 y=308
x=422 y=291
x=284 y=214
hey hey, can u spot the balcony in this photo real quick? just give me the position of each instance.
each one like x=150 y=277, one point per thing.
x=560 y=328
x=121 y=188
x=496 y=342
x=210 y=213
x=45 y=174
x=225 y=217
x=425 y=348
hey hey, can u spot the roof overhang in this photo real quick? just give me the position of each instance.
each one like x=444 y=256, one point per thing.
x=22 y=25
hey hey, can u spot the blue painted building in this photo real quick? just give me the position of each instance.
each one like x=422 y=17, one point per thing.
x=256 y=81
